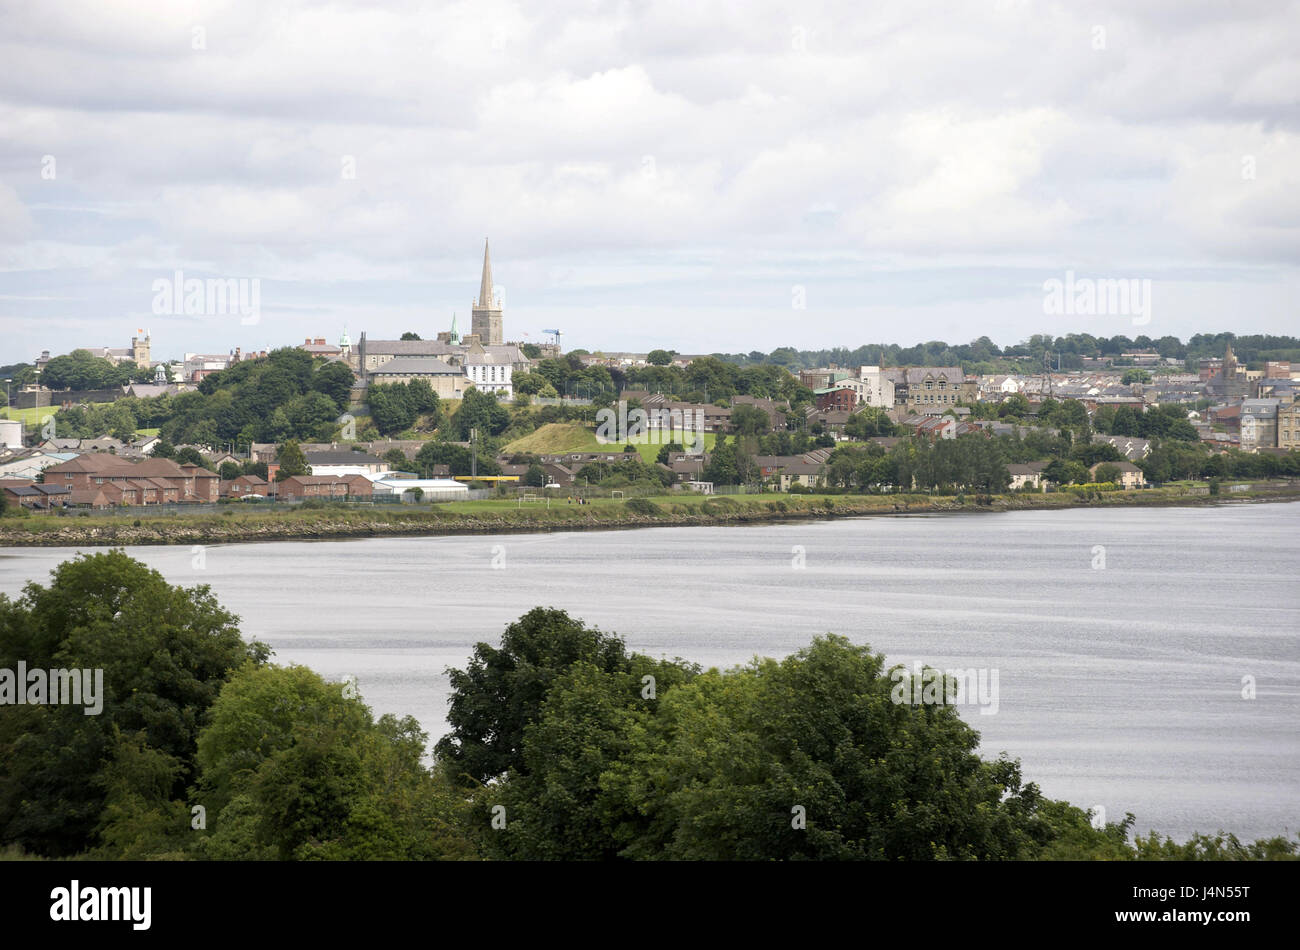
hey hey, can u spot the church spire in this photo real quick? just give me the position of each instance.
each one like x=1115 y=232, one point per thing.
x=485 y=301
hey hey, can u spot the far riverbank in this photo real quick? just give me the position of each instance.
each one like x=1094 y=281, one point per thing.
x=231 y=524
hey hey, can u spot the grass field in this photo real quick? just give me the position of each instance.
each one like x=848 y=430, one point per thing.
x=556 y=438
x=30 y=417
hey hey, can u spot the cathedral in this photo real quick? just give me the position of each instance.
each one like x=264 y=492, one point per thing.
x=480 y=358
x=485 y=320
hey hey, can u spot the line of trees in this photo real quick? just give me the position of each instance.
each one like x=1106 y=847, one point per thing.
x=81 y=369
x=563 y=745
x=288 y=395
x=985 y=356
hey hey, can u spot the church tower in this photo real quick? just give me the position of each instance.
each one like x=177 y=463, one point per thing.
x=140 y=351
x=485 y=319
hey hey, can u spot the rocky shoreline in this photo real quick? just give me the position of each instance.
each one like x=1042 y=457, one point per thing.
x=751 y=509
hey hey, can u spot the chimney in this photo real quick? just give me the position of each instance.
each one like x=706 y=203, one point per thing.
x=307 y=342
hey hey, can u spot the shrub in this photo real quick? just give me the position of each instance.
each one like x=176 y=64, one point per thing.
x=643 y=506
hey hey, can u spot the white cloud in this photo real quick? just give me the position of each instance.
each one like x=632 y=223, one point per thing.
x=693 y=158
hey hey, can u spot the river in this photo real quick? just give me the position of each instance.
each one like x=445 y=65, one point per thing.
x=1120 y=637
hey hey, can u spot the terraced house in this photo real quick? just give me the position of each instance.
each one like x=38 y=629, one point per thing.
x=103 y=479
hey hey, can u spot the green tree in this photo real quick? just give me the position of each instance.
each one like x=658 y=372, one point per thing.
x=502 y=689
x=730 y=757
x=80 y=369
x=1124 y=422
x=391 y=407
x=397 y=460
x=749 y=420
x=165 y=653
x=659 y=357
x=424 y=400
x=295 y=767
x=335 y=381
x=292 y=461
x=190 y=456
x=458 y=458
x=1106 y=472
x=479 y=410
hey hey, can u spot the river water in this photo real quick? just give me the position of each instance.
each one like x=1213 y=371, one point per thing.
x=1120 y=637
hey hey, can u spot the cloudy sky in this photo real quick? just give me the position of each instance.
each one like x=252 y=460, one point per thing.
x=694 y=175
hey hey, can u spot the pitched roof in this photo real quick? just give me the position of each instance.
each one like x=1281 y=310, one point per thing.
x=415 y=366
x=341 y=457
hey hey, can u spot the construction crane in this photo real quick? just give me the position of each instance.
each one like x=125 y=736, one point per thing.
x=557 y=338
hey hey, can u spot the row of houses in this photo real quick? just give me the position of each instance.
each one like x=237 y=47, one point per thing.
x=1030 y=475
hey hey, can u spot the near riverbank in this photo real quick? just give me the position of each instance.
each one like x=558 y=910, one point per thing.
x=228 y=524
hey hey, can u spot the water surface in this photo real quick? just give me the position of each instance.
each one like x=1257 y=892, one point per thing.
x=1119 y=686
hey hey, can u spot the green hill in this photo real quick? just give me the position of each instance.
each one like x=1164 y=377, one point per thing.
x=556 y=438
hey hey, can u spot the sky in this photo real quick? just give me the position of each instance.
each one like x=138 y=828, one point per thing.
x=695 y=176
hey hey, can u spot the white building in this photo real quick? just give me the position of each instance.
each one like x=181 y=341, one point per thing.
x=31 y=464
x=346 y=462
x=11 y=434
x=877 y=388
x=490 y=372
x=434 y=489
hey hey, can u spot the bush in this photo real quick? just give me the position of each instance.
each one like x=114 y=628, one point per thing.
x=643 y=506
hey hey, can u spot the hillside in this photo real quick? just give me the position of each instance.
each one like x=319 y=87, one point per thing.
x=556 y=437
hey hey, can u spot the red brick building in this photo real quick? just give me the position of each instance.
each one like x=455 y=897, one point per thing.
x=842 y=398
x=297 y=487
x=243 y=486
x=148 y=482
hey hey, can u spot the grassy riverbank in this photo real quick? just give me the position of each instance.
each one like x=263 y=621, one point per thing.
x=232 y=523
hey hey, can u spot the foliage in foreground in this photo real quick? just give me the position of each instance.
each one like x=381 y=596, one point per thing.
x=564 y=745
